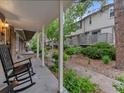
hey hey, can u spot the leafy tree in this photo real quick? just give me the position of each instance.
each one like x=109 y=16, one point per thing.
x=71 y=16
x=33 y=43
x=73 y=13
x=51 y=30
x=52 y=34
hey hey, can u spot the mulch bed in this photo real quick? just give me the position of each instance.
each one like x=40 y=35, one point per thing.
x=96 y=65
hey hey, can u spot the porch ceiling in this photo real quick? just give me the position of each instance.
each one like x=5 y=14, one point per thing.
x=31 y=14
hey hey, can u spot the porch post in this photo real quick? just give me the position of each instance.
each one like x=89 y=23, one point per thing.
x=5 y=36
x=43 y=46
x=38 y=42
x=61 y=49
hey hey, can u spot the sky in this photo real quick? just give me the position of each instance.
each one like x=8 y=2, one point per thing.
x=96 y=5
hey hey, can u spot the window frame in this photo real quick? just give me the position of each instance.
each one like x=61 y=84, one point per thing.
x=111 y=12
x=90 y=20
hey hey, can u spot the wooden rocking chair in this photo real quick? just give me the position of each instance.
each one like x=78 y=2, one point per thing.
x=11 y=72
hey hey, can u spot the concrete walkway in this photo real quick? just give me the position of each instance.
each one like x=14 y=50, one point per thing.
x=105 y=83
x=45 y=80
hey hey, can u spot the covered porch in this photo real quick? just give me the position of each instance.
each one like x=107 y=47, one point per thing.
x=35 y=16
x=46 y=82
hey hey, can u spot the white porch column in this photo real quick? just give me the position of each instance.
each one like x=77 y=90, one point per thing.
x=43 y=46
x=17 y=42
x=61 y=49
x=38 y=42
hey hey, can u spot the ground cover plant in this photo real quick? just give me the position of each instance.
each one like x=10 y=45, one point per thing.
x=76 y=84
x=120 y=86
x=54 y=68
x=106 y=59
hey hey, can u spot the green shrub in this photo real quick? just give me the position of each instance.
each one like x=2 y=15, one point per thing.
x=65 y=57
x=66 y=46
x=91 y=52
x=106 y=59
x=99 y=50
x=70 y=51
x=34 y=49
x=110 y=52
x=121 y=77
x=102 y=45
x=76 y=84
x=56 y=56
x=73 y=50
x=33 y=44
x=54 y=68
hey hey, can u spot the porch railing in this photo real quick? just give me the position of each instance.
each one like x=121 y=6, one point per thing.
x=83 y=39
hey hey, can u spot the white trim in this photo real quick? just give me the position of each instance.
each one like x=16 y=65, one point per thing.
x=38 y=48
x=43 y=46
x=61 y=49
x=17 y=42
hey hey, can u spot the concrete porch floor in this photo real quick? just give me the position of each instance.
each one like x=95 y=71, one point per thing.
x=45 y=80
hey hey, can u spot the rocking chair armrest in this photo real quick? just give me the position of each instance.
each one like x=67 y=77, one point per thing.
x=26 y=65
x=23 y=60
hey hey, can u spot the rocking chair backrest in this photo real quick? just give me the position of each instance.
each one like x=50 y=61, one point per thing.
x=6 y=58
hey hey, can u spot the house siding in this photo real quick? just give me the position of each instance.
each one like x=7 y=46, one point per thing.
x=97 y=27
x=99 y=20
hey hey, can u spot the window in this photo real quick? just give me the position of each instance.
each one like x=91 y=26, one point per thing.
x=90 y=20
x=80 y=24
x=111 y=12
x=86 y=33
x=96 y=32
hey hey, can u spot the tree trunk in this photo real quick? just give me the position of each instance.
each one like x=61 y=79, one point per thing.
x=119 y=32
